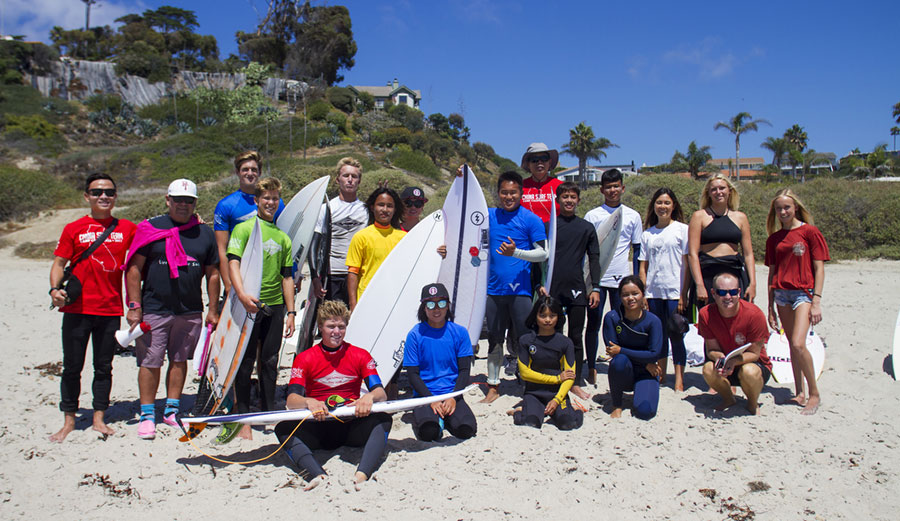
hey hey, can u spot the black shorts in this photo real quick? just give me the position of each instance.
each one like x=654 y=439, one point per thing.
x=735 y=379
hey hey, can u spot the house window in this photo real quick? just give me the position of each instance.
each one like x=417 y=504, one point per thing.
x=379 y=103
x=402 y=99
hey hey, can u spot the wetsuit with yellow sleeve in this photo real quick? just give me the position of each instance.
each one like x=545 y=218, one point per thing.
x=541 y=359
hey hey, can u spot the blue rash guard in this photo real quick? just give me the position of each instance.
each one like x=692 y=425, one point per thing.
x=235 y=209
x=509 y=275
x=436 y=352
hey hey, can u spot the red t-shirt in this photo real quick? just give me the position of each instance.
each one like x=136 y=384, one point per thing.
x=100 y=276
x=323 y=373
x=748 y=326
x=538 y=197
x=791 y=254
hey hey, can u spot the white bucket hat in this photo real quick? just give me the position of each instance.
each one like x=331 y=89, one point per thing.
x=540 y=148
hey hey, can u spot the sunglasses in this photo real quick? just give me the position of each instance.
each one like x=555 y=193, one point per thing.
x=539 y=159
x=183 y=199
x=97 y=192
x=440 y=304
x=733 y=292
x=418 y=203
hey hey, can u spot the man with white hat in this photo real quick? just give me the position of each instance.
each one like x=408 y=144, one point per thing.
x=539 y=190
x=167 y=262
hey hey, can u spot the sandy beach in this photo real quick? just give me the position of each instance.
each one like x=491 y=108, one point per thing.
x=687 y=463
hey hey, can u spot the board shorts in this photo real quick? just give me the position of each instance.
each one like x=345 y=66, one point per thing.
x=792 y=297
x=735 y=378
x=175 y=335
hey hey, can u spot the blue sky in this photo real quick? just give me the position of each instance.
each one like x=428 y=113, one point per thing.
x=651 y=76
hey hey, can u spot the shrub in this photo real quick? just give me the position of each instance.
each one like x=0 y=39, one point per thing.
x=341 y=98
x=338 y=120
x=34 y=126
x=393 y=136
x=318 y=111
x=98 y=102
x=23 y=100
x=27 y=192
x=414 y=161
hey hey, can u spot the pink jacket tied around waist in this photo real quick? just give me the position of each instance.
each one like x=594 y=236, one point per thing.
x=175 y=254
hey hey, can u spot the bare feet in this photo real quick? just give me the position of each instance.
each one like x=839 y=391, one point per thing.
x=617 y=413
x=314 y=482
x=812 y=405
x=581 y=393
x=725 y=404
x=358 y=479
x=798 y=400
x=592 y=376
x=753 y=408
x=101 y=426
x=492 y=394
x=246 y=433
x=68 y=426
x=512 y=412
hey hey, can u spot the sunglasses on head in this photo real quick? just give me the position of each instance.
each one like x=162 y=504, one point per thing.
x=539 y=159
x=183 y=199
x=97 y=192
x=431 y=304
x=418 y=203
x=733 y=292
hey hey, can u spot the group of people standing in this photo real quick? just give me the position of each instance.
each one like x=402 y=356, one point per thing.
x=546 y=332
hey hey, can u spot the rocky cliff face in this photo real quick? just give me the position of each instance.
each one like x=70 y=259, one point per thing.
x=79 y=79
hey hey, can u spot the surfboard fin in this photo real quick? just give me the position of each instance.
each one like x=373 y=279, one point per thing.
x=193 y=431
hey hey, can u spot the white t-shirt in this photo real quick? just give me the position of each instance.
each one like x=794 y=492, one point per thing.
x=346 y=220
x=631 y=234
x=664 y=250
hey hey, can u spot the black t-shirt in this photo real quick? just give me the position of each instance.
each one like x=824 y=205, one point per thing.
x=545 y=355
x=162 y=295
x=575 y=237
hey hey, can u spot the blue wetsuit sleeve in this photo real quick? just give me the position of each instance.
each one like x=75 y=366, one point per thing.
x=654 y=347
x=373 y=382
x=296 y=389
x=609 y=329
x=635 y=263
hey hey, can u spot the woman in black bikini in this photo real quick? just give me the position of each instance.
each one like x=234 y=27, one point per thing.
x=719 y=240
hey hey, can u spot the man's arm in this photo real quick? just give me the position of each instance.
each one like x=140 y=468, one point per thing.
x=133 y=288
x=287 y=291
x=213 y=286
x=352 y=287
x=222 y=237
x=56 y=274
x=234 y=265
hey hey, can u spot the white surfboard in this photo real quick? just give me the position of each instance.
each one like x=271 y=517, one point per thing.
x=387 y=309
x=779 y=350
x=464 y=271
x=551 y=248
x=896 y=353
x=232 y=334
x=608 y=235
x=298 y=220
x=273 y=417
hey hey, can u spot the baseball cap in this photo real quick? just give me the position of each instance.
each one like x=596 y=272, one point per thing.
x=436 y=290
x=180 y=187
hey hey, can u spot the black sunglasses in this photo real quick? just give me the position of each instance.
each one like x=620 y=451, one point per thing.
x=539 y=159
x=97 y=192
x=183 y=199
x=733 y=292
x=418 y=203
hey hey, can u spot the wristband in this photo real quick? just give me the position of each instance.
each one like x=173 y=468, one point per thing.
x=52 y=290
x=817 y=295
x=134 y=305
x=291 y=313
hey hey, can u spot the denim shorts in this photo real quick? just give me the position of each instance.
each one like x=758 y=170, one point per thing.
x=792 y=297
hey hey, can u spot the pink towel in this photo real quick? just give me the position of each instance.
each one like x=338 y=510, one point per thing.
x=175 y=254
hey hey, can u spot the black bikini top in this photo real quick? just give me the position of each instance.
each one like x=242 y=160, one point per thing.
x=720 y=230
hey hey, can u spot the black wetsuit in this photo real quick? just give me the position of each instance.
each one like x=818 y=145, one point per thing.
x=541 y=359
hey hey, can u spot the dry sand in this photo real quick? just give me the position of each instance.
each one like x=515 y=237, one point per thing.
x=780 y=465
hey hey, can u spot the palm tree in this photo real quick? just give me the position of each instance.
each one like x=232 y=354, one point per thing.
x=779 y=148
x=796 y=138
x=897 y=112
x=809 y=159
x=895 y=131
x=583 y=145
x=693 y=161
x=740 y=124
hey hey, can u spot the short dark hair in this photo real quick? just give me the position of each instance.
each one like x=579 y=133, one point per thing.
x=424 y=318
x=509 y=175
x=96 y=177
x=398 y=205
x=550 y=303
x=631 y=279
x=568 y=186
x=613 y=175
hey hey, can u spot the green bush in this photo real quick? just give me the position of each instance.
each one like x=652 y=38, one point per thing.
x=33 y=134
x=98 y=102
x=22 y=100
x=337 y=119
x=318 y=111
x=34 y=126
x=414 y=161
x=341 y=98
x=27 y=192
x=394 y=136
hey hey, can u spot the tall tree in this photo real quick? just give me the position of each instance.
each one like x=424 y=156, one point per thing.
x=584 y=145
x=779 y=148
x=87 y=13
x=693 y=160
x=741 y=123
x=796 y=138
x=896 y=112
x=811 y=158
x=895 y=131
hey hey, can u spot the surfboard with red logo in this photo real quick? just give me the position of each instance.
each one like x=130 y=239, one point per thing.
x=464 y=271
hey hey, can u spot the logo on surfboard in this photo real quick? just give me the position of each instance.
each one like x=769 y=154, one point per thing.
x=398 y=354
x=477 y=218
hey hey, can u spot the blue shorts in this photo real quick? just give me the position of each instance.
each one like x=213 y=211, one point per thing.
x=792 y=297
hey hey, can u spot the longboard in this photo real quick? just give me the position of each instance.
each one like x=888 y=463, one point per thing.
x=232 y=333
x=387 y=309
x=196 y=424
x=608 y=236
x=464 y=271
x=779 y=350
x=318 y=258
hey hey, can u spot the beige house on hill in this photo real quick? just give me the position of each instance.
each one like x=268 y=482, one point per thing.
x=398 y=94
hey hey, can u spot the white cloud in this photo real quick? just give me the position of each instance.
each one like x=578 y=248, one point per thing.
x=482 y=11
x=35 y=18
x=711 y=61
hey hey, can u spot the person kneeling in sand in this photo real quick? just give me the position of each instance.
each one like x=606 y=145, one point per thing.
x=726 y=325
x=332 y=371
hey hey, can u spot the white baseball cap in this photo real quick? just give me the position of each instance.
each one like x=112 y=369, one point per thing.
x=182 y=187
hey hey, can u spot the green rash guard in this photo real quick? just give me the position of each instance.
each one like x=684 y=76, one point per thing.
x=277 y=260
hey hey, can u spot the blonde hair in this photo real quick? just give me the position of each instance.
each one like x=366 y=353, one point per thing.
x=734 y=198
x=250 y=155
x=332 y=309
x=269 y=184
x=800 y=211
x=347 y=161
